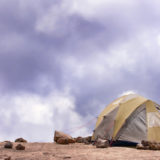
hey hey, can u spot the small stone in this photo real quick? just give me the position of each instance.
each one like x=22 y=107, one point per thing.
x=146 y=147
x=139 y=146
x=20 y=147
x=86 y=142
x=8 y=158
x=158 y=146
x=154 y=142
x=79 y=140
x=67 y=157
x=101 y=143
x=153 y=147
x=89 y=139
x=8 y=145
x=6 y=141
x=21 y=140
x=46 y=153
x=144 y=143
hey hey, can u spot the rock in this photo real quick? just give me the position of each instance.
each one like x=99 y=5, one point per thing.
x=71 y=140
x=140 y=146
x=65 y=141
x=58 y=135
x=153 y=147
x=8 y=145
x=145 y=143
x=146 y=147
x=154 y=142
x=101 y=143
x=63 y=138
x=20 y=147
x=158 y=146
x=46 y=153
x=6 y=141
x=148 y=143
x=8 y=158
x=20 y=140
x=79 y=140
x=62 y=141
x=87 y=140
x=67 y=157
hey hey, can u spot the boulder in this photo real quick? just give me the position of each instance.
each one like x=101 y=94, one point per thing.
x=20 y=147
x=71 y=140
x=65 y=141
x=21 y=140
x=8 y=145
x=101 y=143
x=63 y=138
x=62 y=141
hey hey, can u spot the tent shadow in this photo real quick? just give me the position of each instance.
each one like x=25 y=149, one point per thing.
x=123 y=144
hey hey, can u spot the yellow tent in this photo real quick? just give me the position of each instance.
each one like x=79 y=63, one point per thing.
x=129 y=118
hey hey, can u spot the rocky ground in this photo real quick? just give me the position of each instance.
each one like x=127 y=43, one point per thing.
x=77 y=151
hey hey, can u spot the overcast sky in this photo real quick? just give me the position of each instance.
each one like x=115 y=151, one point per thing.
x=63 y=61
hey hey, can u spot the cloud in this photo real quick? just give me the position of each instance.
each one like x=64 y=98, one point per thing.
x=36 y=117
x=97 y=49
x=127 y=93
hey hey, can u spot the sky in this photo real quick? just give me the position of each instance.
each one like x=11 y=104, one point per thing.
x=63 y=61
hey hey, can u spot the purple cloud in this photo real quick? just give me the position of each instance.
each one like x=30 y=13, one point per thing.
x=95 y=51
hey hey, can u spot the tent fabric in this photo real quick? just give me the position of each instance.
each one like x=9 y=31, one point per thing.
x=153 y=118
x=135 y=127
x=105 y=129
x=108 y=109
x=129 y=118
x=114 y=105
x=124 y=112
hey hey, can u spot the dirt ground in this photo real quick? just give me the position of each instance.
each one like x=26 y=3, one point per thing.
x=52 y=151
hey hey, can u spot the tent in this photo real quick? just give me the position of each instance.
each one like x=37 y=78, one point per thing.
x=130 y=118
